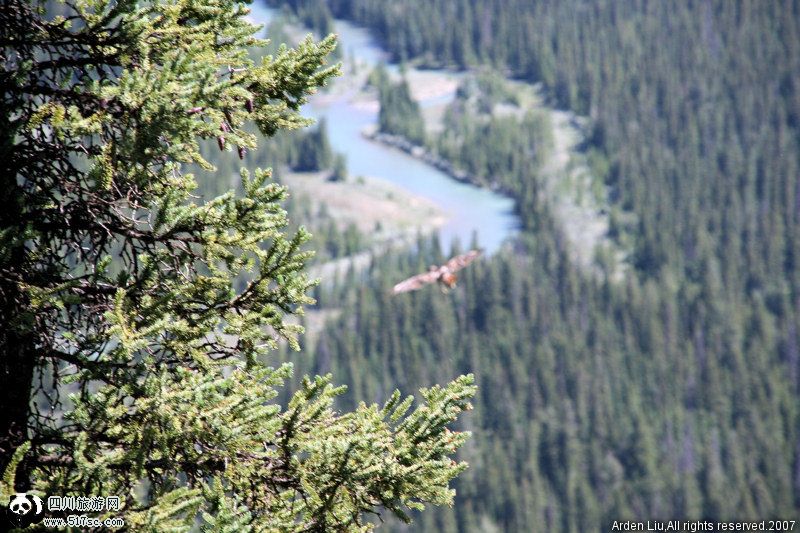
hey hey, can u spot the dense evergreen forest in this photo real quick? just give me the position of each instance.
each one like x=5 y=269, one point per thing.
x=497 y=150
x=673 y=393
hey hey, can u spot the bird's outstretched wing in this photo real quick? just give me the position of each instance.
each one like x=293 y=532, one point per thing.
x=460 y=261
x=416 y=282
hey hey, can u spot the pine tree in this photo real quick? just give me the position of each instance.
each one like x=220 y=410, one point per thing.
x=314 y=152
x=137 y=319
x=399 y=113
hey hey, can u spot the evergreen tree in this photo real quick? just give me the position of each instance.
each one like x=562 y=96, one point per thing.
x=339 y=168
x=314 y=151
x=399 y=112
x=131 y=360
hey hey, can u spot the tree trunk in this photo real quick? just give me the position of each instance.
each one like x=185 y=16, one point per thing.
x=17 y=336
x=16 y=376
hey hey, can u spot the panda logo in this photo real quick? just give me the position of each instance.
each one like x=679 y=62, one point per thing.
x=25 y=509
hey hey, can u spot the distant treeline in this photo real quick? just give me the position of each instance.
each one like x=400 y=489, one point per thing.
x=399 y=114
x=476 y=144
x=503 y=151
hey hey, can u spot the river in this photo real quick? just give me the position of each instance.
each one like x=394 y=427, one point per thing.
x=469 y=209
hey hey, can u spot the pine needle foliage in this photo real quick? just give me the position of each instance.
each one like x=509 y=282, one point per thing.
x=137 y=319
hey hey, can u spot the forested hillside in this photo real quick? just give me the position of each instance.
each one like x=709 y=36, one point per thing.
x=596 y=402
x=670 y=394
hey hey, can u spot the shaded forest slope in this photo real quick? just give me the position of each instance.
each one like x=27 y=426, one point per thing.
x=673 y=393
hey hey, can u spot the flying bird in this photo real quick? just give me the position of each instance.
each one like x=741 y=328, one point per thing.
x=445 y=275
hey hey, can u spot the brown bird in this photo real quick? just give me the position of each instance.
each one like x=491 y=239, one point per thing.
x=445 y=275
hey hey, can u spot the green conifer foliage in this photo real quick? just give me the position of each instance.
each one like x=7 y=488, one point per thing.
x=132 y=363
x=399 y=113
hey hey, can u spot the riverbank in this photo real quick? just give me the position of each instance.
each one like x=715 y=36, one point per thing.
x=377 y=208
x=422 y=153
x=578 y=200
x=350 y=105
